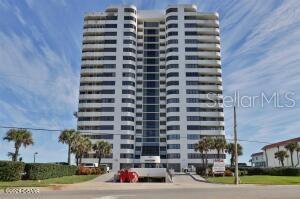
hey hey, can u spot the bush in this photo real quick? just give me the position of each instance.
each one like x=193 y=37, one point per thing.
x=91 y=171
x=228 y=173
x=40 y=171
x=279 y=171
x=11 y=171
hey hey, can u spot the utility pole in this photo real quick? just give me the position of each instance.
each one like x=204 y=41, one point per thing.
x=235 y=148
x=34 y=156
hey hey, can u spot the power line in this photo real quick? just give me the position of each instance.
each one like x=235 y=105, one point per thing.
x=59 y=130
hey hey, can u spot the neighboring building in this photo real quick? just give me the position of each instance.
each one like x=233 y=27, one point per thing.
x=147 y=83
x=258 y=159
x=271 y=149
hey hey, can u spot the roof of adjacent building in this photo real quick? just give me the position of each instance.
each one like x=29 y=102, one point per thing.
x=281 y=143
x=257 y=154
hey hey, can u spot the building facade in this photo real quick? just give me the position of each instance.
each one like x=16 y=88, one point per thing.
x=270 y=150
x=151 y=85
x=258 y=159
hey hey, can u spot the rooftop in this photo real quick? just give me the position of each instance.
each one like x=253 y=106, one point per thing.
x=281 y=143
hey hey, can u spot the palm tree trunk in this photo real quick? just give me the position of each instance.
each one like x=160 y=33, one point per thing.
x=69 y=154
x=218 y=152
x=282 y=163
x=99 y=160
x=15 y=157
x=292 y=160
x=298 y=161
x=231 y=160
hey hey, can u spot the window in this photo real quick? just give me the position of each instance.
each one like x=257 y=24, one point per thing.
x=173 y=146
x=126 y=156
x=126 y=146
x=96 y=92
x=170 y=66
x=129 y=66
x=172 y=83
x=172 y=74
x=173 y=118
x=100 y=127
x=129 y=10
x=172 y=100
x=127 y=118
x=128 y=41
x=128 y=83
x=100 y=118
x=197 y=127
x=127 y=137
x=129 y=50
x=128 y=25
x=127 y=109
x=171 y=18
x=102 y=100
x=172 y=41
x=128 y=100
x=173 y=137
x=171 y=10
x=172 y=50
x=127 y=127
x=169 y=58
x=129 y=18
x=193 y=137
x=172 y=34
x=173 y=155
x=128 y=92
x=151 y=24
x=172 y=91
x=173 y=127
x=151 y=31
x=172 y=25
x=129 y=58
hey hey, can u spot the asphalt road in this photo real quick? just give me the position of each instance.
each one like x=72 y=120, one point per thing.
x=229 y=192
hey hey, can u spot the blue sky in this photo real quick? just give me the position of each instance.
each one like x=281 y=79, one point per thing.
x=40 y=49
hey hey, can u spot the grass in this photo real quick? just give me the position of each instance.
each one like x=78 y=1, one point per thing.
x=259 y=179
x=47 y=182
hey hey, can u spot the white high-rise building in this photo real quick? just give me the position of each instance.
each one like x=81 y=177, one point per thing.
x=147 y=83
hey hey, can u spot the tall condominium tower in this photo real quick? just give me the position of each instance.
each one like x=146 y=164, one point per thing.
x=151 y=85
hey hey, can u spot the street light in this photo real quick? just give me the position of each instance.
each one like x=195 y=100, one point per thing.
x=34 y=156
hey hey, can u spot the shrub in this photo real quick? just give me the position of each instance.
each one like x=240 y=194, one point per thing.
x=90 y=171
x=11 y=171
x=40 y=171
x=279 y=171
x=200 y=171
x=228 y=173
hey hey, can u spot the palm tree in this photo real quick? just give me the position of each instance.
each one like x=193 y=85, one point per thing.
x=207 y=144
x=200 y=147
x=20 y=137
x=298 y=151
x=291 y=147
x=81 y=146
x=102 y=149
x=67 y=137
x=280 y=155
x=230 y=149
x=220 y=145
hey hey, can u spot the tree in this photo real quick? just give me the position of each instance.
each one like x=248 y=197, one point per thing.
x=205 y=144
x=20 y=137
x=298 y=151
x=200 y=147
x=230 y=149
x=291 y=147
x=81 y=146
x=67 y=137
x=280 y=155
x=220 y=145
x=102 y=149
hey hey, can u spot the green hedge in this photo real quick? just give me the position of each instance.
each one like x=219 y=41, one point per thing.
x=40 y=171
x=11 y=171
x=270 y=171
